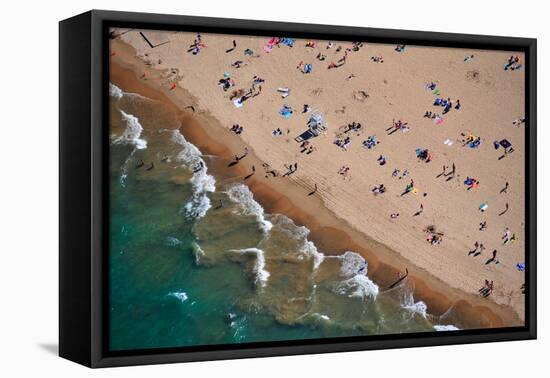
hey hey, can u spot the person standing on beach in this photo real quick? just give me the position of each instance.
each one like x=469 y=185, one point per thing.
x=505 y=189
x=443 y=173
x=493 y=259
x=507 y=206
x=313 y=191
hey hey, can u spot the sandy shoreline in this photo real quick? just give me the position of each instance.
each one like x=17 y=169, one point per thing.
x=209 y=135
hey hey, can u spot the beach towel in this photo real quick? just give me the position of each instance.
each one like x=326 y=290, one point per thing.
x=287 y=41
x=308 y=68
x=483 y=207
x=436 y=92
x=286 y=111
x=267 y=48
x=237 y=103
x=285 y=92
x=520 y=267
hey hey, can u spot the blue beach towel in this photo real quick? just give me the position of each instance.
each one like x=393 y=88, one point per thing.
x=287 y=41
x=475 y=144
x=286 y=111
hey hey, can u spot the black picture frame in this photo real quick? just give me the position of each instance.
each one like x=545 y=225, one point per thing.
x=83 y=196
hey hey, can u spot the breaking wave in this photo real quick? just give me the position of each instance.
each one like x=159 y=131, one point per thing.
x=357 y=285
x=260 y=273
x=179 y=295
x=132 y=132
x=202 y=182
x=448 y=327
x=248 y=206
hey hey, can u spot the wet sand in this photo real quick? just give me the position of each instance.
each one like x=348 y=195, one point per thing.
x=331 y=234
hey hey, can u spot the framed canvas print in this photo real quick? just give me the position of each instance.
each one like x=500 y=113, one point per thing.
x=235 y=188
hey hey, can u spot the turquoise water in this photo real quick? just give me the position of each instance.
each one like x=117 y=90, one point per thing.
x=185 y=271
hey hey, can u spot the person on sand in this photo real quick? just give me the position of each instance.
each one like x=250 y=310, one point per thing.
x=380 y=189
x=232 y=48
x=394 y=215
x=483 y=226
x=313 y=191
x=476 y=247
x=452 y=172
x=487 y=289
x=493 y=259
x=507 y=206
x=443 y=173
x=245 y=154
x=505 y=189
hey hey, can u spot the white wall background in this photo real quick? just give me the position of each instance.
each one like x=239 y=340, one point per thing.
x=29 y=186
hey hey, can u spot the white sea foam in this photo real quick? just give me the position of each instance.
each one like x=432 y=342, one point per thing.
x=248 y=206
x=132 y=132
x=310 y=250
x=180 y=295
x=172 y=241
x=299 y=233
x=352 y=264
x=202 y=182
x=118 y=93
x=115 y=91
x=358 y=286
x=197 y=252
x=419 y=308
x=448 y=327
x=261 y=274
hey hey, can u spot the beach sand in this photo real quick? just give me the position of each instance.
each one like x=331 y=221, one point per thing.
x=343 y=214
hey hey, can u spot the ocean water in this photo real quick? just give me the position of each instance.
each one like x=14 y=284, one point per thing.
x=196 y=262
